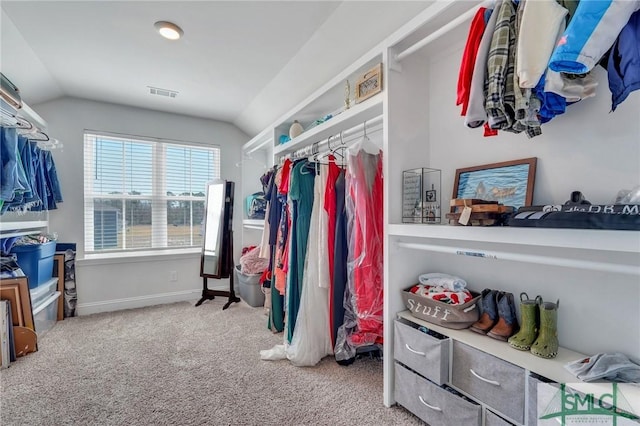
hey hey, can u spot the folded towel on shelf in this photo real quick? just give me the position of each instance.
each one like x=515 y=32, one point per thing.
x=449 y=282
x=614 y=367
x=442 y=294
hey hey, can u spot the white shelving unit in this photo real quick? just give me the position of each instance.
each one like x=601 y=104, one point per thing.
x=587 y=149
x=580 y=267
x=348 y=119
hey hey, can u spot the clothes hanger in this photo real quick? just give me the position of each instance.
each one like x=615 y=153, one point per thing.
x=365 y=144
x=327 y=153
x=310 y=156
x=15 y=121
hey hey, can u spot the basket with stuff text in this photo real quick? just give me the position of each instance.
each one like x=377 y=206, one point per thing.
x=456 y=310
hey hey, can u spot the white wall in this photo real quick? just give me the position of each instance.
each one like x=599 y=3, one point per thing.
x=117 y=284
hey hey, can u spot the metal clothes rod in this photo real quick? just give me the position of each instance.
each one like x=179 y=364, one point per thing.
x=527 y=258
x=439 y=32
x=347 y=136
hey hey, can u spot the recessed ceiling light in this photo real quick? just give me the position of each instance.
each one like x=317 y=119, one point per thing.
x=168 y=30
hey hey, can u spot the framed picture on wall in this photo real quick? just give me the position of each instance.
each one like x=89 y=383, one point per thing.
x=509 y=183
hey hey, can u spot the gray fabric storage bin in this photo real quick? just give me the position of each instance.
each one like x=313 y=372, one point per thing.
x=492 y=419
x=448 y=409
x=507 y=396
x=546 y=389
x=421 y=352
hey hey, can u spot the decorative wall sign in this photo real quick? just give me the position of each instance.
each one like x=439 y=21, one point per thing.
x=369 y=84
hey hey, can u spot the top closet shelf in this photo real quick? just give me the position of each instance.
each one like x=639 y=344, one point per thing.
x=355 y=115
x=586 y=239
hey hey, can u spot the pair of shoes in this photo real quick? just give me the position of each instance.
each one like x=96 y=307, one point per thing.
x=539 y=332
x=498 y=319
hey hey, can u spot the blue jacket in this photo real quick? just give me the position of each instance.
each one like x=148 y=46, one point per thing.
x=624 y=62
x=591 y=32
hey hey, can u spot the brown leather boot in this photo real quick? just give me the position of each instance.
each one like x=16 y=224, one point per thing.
x=489 y=314
x=507 y=323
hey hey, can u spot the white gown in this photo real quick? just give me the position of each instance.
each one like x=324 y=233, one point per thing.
x=311 y=339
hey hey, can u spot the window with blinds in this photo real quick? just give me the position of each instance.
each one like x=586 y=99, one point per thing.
x=144 y=194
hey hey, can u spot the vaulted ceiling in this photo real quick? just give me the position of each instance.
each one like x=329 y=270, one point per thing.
x=245 y=62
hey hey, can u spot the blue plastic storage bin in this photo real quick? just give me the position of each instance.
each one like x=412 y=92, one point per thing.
x=36 y=261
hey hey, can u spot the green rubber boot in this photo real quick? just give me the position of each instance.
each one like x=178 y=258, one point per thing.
x=546 y=345
x=528 y=323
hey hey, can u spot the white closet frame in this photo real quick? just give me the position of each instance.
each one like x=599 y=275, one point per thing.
x=17 y=224
x=412 y=138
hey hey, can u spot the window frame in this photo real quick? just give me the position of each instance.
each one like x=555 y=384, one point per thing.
x=158 y=197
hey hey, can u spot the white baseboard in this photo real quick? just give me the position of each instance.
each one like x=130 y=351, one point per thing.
x=139 y=301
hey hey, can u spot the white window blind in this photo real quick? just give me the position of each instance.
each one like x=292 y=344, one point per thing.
x=144 y=194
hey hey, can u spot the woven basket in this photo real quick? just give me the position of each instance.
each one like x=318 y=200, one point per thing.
x=443 y=314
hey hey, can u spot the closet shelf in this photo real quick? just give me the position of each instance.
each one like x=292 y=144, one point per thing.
x=585 y=239
x=16 y=229
x=352 y=117
x=549 y=368
x=253 y=223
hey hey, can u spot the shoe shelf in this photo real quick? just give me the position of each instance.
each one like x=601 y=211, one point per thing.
x=550 y=368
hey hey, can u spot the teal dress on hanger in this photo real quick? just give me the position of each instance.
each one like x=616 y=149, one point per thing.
x=301 y=194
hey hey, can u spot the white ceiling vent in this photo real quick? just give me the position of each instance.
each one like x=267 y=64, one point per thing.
x=162 y=92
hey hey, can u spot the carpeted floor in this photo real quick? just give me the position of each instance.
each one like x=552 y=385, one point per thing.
x=181 y=365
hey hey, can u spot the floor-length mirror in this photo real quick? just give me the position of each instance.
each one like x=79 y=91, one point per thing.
x=211 y=264
x=217 y=249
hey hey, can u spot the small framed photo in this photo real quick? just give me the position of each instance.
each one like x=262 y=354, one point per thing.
x=510 y=183
x=369 y=84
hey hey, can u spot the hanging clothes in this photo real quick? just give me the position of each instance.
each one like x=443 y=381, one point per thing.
x=624 y=62
x=476 y=114
x=311 y=337
x=500 y=100
x=330 y=206
x=301 y=197
x=469 y=59
x=8 y=160
x=266 y=180
x=324 y=276
x=363 y=322
x=526 y=103
x=276 y=310
x=340 y=253
x=28 y=176
x=537 y=34
x=592 y=31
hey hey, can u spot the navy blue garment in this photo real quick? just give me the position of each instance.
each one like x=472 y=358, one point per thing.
x=276 y=313
x=341 y=249
x=52 y=177
x=8 y=161
x=37 y=160
x=624 y=62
